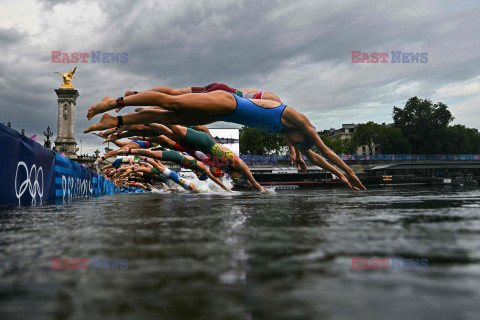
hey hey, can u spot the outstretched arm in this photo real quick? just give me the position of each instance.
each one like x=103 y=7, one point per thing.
x=211 y=176
x=301 y=122
x=251 y=179
x=318 y=160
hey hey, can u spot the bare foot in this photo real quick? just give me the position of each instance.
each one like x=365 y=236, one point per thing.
x=105 y=105
x=106 y=122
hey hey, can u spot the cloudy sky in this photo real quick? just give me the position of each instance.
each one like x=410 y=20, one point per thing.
x=300 y=50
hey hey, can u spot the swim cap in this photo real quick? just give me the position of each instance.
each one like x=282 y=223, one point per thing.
x=203 y=177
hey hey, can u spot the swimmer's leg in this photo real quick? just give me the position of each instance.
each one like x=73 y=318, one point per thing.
x=148 y=116
x=165 y=90
x=184 y=183
x=213 y=103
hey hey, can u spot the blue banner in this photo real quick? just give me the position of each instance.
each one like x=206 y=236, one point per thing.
x=33 y=174
x=71 y=179
x=26 y=169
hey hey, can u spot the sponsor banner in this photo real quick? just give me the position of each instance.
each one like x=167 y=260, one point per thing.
x=72 y=180
x=32 y=174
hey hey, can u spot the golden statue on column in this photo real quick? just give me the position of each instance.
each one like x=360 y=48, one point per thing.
x=67 y=79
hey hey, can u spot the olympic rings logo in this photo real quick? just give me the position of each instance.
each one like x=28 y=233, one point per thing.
x=34 y=188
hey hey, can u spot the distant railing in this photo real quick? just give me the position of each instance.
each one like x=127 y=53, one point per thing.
x=259 y=160
x=275 y=159
x=407 y=157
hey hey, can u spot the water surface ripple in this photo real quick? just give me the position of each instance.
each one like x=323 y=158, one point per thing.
x=245 y=256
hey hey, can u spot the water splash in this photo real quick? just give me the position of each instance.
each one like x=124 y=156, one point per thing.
x=207 y=186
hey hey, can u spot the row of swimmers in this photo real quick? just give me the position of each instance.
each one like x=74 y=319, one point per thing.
x=192 y=148
x=175 y=120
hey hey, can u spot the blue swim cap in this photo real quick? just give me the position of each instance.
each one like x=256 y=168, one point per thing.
x=203 y=177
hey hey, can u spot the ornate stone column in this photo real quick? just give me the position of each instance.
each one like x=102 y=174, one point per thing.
x=65 y=142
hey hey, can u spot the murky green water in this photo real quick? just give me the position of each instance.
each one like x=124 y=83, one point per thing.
x=246 y=256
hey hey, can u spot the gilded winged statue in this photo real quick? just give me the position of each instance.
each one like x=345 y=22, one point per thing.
x=67 y=78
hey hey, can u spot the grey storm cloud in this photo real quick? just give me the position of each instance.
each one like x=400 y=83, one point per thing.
x=300 y=50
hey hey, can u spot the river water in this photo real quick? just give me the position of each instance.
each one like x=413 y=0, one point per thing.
x=286 y=255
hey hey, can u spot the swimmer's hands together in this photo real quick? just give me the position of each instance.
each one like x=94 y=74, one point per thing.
x=355 y=182
x=345 y=180
x=107 y=103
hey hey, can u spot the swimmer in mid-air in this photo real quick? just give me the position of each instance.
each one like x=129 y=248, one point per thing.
x=199 y=109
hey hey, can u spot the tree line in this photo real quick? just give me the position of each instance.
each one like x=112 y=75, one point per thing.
x=420 y=127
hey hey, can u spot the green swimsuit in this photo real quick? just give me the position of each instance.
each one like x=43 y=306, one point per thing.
x=201 y=141
x=180 y=159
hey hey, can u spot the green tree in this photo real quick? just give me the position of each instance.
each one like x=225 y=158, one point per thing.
x=367 y=134
x=392 y=141
x=462 y=140
x=423 y=124
x=386 y=139
x=256 y=142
